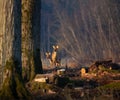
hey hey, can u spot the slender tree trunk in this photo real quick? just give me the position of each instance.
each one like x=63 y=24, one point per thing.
x=13 y=87
x=36 y=36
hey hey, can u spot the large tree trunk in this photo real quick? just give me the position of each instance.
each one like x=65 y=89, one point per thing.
x=31 y=39
x=13 y=87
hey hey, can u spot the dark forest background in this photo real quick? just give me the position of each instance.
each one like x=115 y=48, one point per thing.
x=85 y=30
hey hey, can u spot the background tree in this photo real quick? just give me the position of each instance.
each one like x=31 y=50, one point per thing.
x=13 y=87
x=36 y=31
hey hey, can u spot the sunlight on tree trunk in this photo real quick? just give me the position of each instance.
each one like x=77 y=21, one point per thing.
x=1 y=39
x=13 y=87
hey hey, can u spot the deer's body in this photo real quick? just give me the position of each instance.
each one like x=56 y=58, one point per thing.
x=53 y=58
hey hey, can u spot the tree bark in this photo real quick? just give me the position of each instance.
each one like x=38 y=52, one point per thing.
x=36 y=36
x=1 y=39
x=31 y=39
x=13 y=87
x=12 y=33
x=27 y=43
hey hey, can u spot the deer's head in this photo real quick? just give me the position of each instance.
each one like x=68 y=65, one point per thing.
x=55 y=48
x=48 y=54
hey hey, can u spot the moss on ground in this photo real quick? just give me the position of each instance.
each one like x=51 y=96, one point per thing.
x=113 y=86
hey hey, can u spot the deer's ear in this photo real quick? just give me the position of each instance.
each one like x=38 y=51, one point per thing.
x=57 y=46
x=46 y=53
x=49 y=53
x=53 y=47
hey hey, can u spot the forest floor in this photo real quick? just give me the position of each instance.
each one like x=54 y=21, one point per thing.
x=105 y=86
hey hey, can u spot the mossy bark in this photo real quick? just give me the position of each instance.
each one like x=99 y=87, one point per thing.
x=31 y=39
x=13 y=87
x=27 y=43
